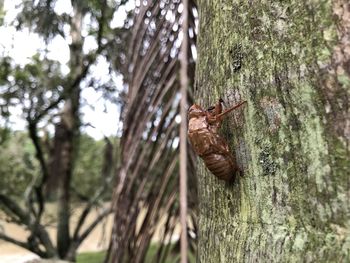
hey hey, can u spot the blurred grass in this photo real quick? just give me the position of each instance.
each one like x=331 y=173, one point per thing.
x=98 y=257
x=91 y=257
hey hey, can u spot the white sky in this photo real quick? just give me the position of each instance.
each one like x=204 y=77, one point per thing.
x=21 y=46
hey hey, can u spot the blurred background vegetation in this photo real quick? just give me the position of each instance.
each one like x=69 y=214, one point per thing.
x=18 y=165
x=89 y=128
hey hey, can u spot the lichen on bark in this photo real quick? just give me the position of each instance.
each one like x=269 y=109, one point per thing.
x=284 y=58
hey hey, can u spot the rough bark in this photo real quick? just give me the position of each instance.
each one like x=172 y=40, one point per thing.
x=291 y=62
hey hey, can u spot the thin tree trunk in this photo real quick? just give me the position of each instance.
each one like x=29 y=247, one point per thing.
x=290 y=61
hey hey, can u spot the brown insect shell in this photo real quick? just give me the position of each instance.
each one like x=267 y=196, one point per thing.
x=198 y=132
x=208 y=144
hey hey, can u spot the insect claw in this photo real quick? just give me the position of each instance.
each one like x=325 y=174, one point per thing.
x=222 y=101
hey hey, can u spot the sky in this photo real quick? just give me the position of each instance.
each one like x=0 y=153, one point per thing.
x=100 y=114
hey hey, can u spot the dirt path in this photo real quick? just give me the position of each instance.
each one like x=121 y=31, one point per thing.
x=97 y=240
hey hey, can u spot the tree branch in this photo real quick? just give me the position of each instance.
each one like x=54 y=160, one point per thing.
x=30 y=245
x=51 y=106
x=36 y=229
x=86 y=211
x=33 y=134
x=101 y=22
x=92 y=226
x=108 y=158
x=15 y=209
x=14 y=241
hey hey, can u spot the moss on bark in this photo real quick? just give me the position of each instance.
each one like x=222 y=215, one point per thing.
x=292 y=139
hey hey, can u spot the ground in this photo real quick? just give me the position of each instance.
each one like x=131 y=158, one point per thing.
x=96 y=241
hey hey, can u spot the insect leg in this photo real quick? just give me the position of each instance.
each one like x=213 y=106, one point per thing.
x=230 y=109
x=218 y=107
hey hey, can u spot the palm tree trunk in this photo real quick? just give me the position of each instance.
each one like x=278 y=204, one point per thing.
x=290 y=61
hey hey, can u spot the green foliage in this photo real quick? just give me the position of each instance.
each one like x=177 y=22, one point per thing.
x=4 y=134
x=46 y=96
x=32 y=87
x=18 y=165
x=41 y=18
x=40 y=83
x=88 y=168
x=2 y=12
x=5 y=69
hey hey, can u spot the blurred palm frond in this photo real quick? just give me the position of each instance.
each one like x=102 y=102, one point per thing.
x=147 y=190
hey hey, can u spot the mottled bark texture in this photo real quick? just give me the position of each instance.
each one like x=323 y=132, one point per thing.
x=291 y=61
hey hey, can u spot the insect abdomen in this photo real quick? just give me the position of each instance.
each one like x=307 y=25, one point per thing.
x=222 y=166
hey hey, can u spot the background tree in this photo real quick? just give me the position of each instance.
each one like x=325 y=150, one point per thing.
x=48 y=96
x=290 y=61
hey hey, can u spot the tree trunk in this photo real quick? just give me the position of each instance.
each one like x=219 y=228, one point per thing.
x=66 y=137
x=291 y=62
